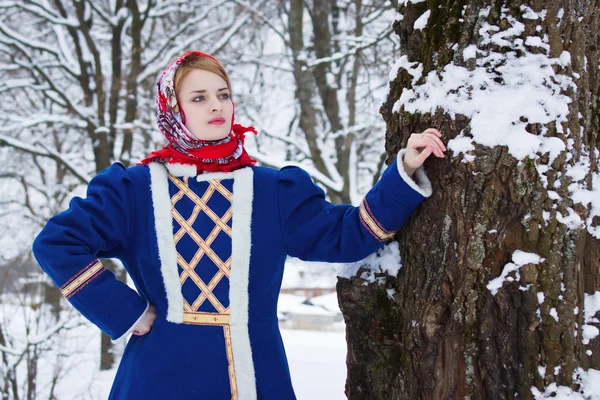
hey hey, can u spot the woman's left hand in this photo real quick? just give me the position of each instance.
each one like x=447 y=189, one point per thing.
x=420 y=146
x=146 y=322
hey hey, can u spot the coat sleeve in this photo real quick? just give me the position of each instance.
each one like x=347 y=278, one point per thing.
x=68 y=248
x=316 y=230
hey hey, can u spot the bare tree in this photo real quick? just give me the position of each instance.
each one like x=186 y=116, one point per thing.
x=82 y=76
x=32 y=332
x=332 y=55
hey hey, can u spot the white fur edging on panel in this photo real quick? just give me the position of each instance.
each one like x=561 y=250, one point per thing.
x=167 y=253
x=421 y=183
x=208 y=176
x=181 y=169
x=243 y=196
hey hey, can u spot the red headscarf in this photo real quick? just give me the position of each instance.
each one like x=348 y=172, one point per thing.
x=224 y=155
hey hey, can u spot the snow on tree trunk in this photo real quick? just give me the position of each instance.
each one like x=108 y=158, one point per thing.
x=495 y=298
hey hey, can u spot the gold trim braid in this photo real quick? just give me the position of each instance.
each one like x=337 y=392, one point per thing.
x=229 y=347
x=202 y=318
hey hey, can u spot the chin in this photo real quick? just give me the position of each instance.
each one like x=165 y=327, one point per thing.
x=213 y=136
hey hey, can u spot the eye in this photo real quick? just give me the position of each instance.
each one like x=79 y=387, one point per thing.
x=225 y=96
x=198 y=99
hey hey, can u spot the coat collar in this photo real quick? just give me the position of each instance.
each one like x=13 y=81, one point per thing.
x=188 y=170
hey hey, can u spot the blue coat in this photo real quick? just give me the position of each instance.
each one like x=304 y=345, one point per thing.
x=208 y=252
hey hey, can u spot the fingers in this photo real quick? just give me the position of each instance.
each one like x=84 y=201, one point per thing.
x=434 y=131
x=435 y=138
x=428 y=142
x=141 y=330
x=429 y=138
x=424 y=154
x=145 y=324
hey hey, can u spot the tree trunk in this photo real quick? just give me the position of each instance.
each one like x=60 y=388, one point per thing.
x=444 y=334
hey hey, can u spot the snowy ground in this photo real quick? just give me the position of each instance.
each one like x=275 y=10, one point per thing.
x=317 y=358
x=317 y=363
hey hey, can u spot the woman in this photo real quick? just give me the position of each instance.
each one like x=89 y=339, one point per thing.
x=204 y=235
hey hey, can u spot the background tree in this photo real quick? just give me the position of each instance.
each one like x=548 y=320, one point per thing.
x=79 y=82
x=78 y=74
x=496 y=295
x=332 y=56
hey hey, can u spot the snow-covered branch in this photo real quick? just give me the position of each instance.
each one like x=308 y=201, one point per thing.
x=268 y=160
x=265 y=19
x=40 y=150
x=165 y=8
x=96 y=7
x=169 y=41
x=61 y=98
x=235 y=27
x=353 y=51
x=40 y=10
x=173 y=51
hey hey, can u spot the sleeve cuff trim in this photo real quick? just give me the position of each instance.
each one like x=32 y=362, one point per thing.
x=369 y=221
x=82 y=278
x=421 y=184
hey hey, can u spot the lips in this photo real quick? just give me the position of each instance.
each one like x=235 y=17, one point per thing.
x=217 y=121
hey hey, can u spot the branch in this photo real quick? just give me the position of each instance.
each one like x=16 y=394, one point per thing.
x=354 y=51
x=260 y=61
x=10 y=351
x=314 y=173
x=264 y=131
x=176 y=50
x=173 y=36
x=166 y=7
x=21 y=84
x=24 y=122
x=107 y=18
x=10 y=33
x=266 y=20
x=43 y=12
x=44 y=152
x=53 y=89
x=32 y=44
x=93 y=49
x=229 y=34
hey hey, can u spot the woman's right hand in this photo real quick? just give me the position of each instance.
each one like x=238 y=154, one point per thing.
x=146 y=322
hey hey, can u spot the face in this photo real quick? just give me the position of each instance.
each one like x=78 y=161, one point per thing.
x=207 y=105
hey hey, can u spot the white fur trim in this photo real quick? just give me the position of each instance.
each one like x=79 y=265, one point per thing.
x=181 y=169
x=207 y=176
x=243 y=195
x=421 y=183
x=132 y=328
x=167 y=253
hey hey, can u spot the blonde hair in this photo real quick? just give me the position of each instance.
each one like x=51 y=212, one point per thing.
x=199 y=62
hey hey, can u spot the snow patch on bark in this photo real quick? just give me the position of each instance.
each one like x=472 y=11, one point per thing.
x=385 y=261
x=510 y=86
x=589 y=388
x=519 y=259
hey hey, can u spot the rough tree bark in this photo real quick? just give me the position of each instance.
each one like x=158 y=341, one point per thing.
x=444 y=335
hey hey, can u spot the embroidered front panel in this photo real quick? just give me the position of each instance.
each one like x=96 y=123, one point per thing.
x=202 y=231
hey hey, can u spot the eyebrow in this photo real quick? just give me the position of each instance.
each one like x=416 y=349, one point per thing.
x=204 y=91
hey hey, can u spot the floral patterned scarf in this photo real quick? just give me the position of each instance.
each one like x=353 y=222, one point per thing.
x=224 y=155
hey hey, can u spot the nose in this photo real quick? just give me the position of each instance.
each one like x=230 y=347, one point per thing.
x=216 y=105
